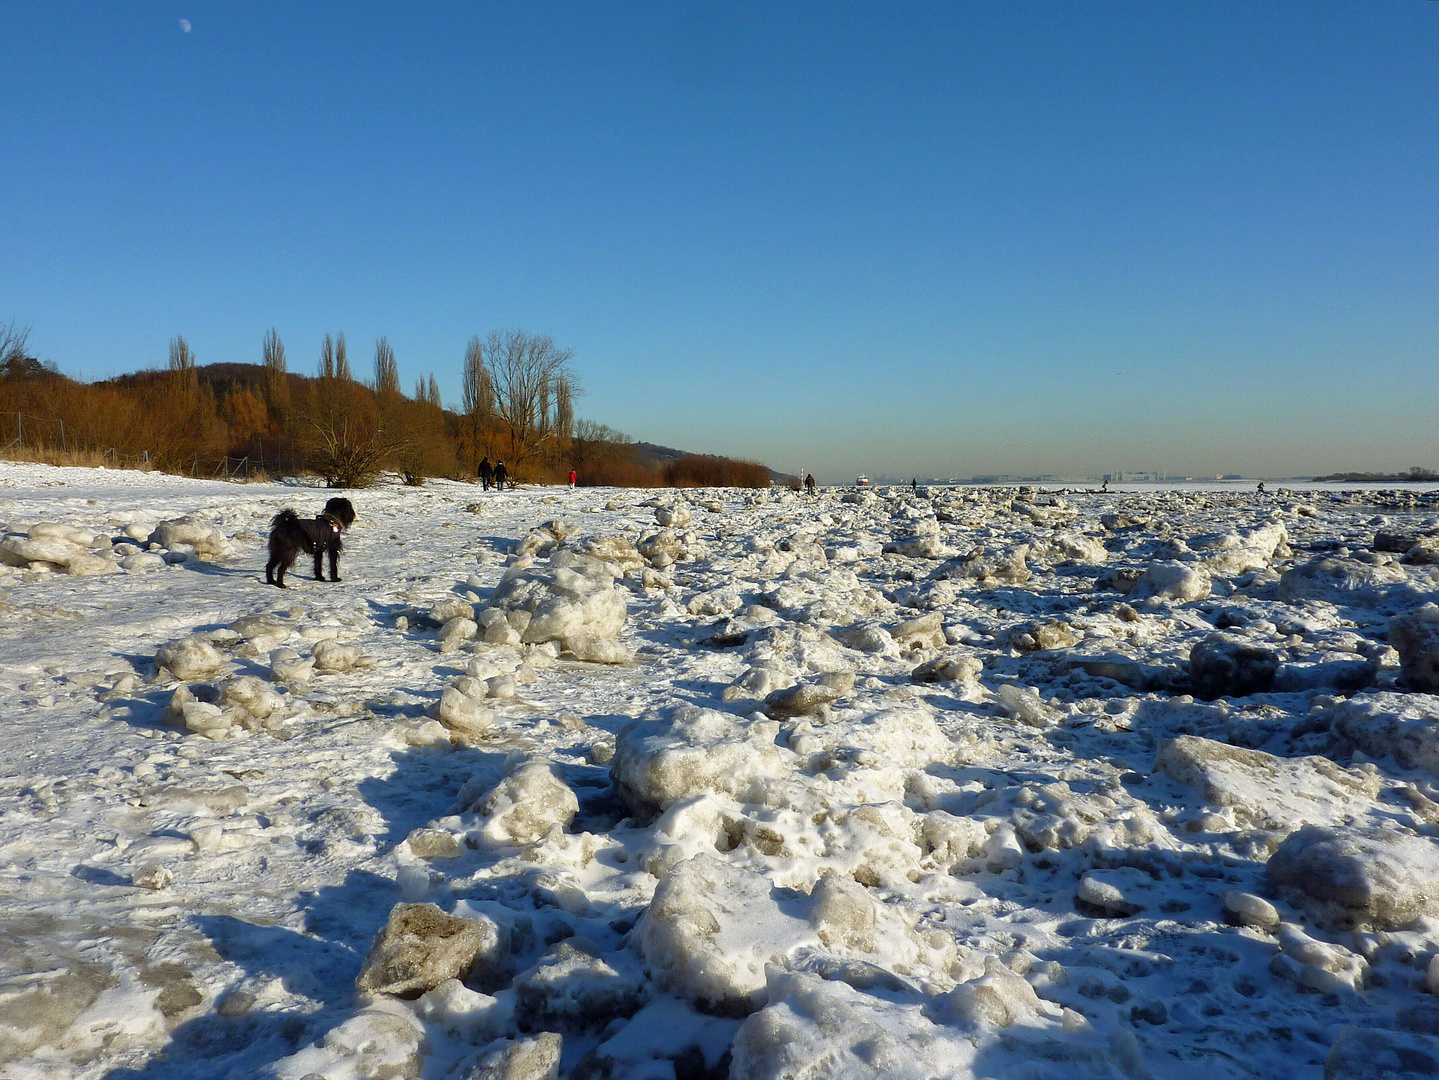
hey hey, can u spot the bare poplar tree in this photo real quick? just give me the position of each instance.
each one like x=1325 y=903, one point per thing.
x=342 y=359
x=420 y=394
x=182 y=367
x=327 y=358
x=277 y=385
x=564 y=409
x=433 y=396
x=478 y=393
x=387 y=374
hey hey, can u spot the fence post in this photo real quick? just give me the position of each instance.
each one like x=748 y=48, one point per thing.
x=19 y=429
x=63 y=448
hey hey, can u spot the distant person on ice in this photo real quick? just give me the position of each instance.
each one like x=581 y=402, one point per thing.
x=501 y=475
x=809 y=483
x=914 y=485
x=574 y=478
x=486 y=472
x=1261 y=487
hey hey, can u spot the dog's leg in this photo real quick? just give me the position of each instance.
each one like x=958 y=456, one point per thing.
x=334 y=565
x=319 y=563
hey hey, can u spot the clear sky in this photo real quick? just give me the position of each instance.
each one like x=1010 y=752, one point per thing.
x=941 y=239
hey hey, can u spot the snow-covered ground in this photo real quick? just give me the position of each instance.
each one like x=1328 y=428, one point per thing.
x=976 y=782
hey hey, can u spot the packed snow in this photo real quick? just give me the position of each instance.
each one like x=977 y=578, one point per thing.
x=980 y=782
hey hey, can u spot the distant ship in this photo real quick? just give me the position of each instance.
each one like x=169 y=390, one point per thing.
x=861 y=481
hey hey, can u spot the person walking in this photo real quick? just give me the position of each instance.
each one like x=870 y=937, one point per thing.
x=574 y=479
x=486 y=472
x=501 y=475
x=809 y=484
x=914 y=486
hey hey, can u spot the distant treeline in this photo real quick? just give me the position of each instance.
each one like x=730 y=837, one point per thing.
x=1414 y=474
x=518 y=406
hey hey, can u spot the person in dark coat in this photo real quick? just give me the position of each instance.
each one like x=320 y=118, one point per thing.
x=486 y=472
x=502 y=474
x=809 y=483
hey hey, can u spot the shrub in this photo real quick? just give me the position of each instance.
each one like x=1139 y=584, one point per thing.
x=705 y=470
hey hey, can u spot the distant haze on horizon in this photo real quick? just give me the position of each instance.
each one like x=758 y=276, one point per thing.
x=931 y=240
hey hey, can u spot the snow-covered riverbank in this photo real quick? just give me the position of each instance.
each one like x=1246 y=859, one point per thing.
x=966 y=783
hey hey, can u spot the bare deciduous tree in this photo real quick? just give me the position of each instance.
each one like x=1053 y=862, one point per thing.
x=525 y=369
x=16 y=363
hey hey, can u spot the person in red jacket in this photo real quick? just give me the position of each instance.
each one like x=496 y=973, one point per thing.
x=574 y=476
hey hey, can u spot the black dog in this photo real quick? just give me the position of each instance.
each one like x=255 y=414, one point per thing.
x=290 y=534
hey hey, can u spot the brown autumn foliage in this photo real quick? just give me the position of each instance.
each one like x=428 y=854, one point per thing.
x=345 y=431
x=705 y=470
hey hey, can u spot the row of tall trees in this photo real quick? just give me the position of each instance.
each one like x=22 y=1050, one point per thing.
x=517 y=405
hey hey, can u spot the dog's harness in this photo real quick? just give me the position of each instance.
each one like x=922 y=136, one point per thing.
x=333 y=522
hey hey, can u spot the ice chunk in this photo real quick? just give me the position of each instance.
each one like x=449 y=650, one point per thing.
x=573 y=597
x=962 y=669
x=335 y=658
x=1246 y=909
x=1359 y=875
x=711 y=929
x=526 y=804
x=375 y=1042
x=1415 y=636
x=288 y=666
x=998 y=997
x=593 y=649
x=451 y=607
x=206 y=541
x=421 y=946
x=1341 y=581
x=55 y=551
x=1404 y=727
x=813 y=1027
x=576 y=985
x=1116 y=893
x=252 y=695
x=659 y=762
x=1228 y=665
x=534 y=1058
x=462 y=713
x=1265 y=791
x=1025 y=705
x=1172 y=581
x=801 y=700
x=189 y=658
x=676 y=515
x=1362 y=1053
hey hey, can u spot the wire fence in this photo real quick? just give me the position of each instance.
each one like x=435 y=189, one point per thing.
x=45 y=435
x=35 y=432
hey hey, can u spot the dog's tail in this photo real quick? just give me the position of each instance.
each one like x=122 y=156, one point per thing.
x=283 y=518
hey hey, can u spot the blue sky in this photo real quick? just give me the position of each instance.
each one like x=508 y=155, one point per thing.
x=940 y=239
